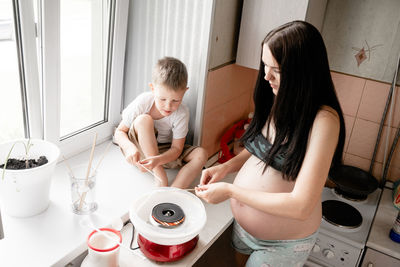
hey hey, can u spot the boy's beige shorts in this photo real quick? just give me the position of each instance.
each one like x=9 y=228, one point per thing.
x=161 y=149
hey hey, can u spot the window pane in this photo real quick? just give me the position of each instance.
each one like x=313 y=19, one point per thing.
x=83 y=45
x=11 y=114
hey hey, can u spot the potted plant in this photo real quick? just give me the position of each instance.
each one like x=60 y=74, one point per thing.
x=24 y=190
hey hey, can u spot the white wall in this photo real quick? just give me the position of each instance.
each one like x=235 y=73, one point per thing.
x=261 y=16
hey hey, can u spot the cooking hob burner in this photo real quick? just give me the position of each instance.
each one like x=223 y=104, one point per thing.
x=341 y=214
x=349 y=196
x=168 y=214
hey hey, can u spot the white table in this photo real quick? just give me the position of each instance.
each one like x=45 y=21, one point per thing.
x=56 y=237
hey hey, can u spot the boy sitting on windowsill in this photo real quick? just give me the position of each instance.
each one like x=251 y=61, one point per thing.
x=153 y=129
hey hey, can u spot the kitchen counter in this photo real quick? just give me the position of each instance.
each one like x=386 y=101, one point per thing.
x=379 y=236
x=57 y=236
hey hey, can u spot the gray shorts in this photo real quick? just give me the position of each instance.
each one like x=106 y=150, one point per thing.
x=272 y=253
x=161 y=149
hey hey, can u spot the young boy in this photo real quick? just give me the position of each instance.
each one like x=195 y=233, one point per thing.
x=153 y=129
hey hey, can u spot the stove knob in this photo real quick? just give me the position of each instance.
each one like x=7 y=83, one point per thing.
x=316 y=248
x=328 y=254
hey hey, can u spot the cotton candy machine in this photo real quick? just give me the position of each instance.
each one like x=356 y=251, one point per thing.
x=168 y=221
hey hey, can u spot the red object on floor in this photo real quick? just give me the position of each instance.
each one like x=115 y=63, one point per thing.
x=236 y=131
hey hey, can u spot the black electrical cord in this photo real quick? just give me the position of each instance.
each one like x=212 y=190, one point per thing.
x=133 y=235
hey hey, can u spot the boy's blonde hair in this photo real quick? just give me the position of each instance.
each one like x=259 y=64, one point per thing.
x=170 y=72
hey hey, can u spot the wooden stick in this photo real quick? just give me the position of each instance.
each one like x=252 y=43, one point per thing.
x=88 y=171
x=150 y=171
x=69 y=167
x=102 y=157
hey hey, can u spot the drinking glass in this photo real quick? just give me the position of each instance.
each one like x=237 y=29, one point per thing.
x=83 y=190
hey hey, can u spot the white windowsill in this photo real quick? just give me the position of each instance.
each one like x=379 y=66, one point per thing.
x=56 y=236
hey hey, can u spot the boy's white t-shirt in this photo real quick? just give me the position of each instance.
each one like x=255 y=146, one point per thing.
x=174 y=126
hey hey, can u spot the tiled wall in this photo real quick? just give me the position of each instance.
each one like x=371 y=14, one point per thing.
x=363 y=102
x=229 y=99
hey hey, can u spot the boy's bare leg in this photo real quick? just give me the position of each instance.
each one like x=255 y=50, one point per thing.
x=144 y=127
x=195 y=162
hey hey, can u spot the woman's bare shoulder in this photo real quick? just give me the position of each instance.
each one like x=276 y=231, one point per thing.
x=327 y=113
x=327 y=120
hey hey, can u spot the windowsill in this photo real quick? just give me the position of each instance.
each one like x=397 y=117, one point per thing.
x=56 y=236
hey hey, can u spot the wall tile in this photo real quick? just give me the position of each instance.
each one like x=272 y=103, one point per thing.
x=377 y=170
x=373 y=101
x=364 y=164
x=349 y=123
x=356 y=161
x=396 y=110
x=363 y=138
x=381 y=149
x=228 y=99
x=393 y=174
x=213 y=127
x=349 y=90
x=227 y=83
x=395 y=161
x=217 y=121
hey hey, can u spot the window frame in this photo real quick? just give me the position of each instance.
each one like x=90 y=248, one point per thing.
x=49 y=11
x=25 y=39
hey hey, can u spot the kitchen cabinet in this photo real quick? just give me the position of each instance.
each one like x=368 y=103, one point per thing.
x=381 y=250
x=261 y=16
x=225 y=32
x=375 y=258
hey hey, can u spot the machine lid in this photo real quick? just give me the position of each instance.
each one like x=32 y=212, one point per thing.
x=341 y=214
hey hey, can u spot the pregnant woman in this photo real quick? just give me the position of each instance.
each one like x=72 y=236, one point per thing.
x=297 y=134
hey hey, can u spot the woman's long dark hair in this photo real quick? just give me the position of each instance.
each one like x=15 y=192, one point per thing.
x=305 y=86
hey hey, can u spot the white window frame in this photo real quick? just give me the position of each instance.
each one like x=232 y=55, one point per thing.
x=50 y=52
x=28 y=64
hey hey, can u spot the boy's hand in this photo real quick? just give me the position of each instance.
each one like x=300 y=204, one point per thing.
x=151 y=162
x=213 y=174
x=133 y=156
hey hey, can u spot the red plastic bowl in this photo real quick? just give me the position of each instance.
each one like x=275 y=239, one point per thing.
x=166 y=253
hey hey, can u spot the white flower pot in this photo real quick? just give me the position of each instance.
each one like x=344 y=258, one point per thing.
x=25 y=192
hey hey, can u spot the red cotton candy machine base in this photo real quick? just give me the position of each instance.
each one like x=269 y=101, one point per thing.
x=165 y=253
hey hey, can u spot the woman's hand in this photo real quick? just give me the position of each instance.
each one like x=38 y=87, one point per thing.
x=151 y=162
x=213 y=174
x=214 y=193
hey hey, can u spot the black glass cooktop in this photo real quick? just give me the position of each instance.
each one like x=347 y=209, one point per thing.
x=341 y=214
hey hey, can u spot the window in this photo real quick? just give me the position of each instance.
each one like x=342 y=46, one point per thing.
x=75 y=91
x=11 y=109
x=83 y=57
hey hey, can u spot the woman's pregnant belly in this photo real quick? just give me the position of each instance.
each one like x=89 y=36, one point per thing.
x=263 y=225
